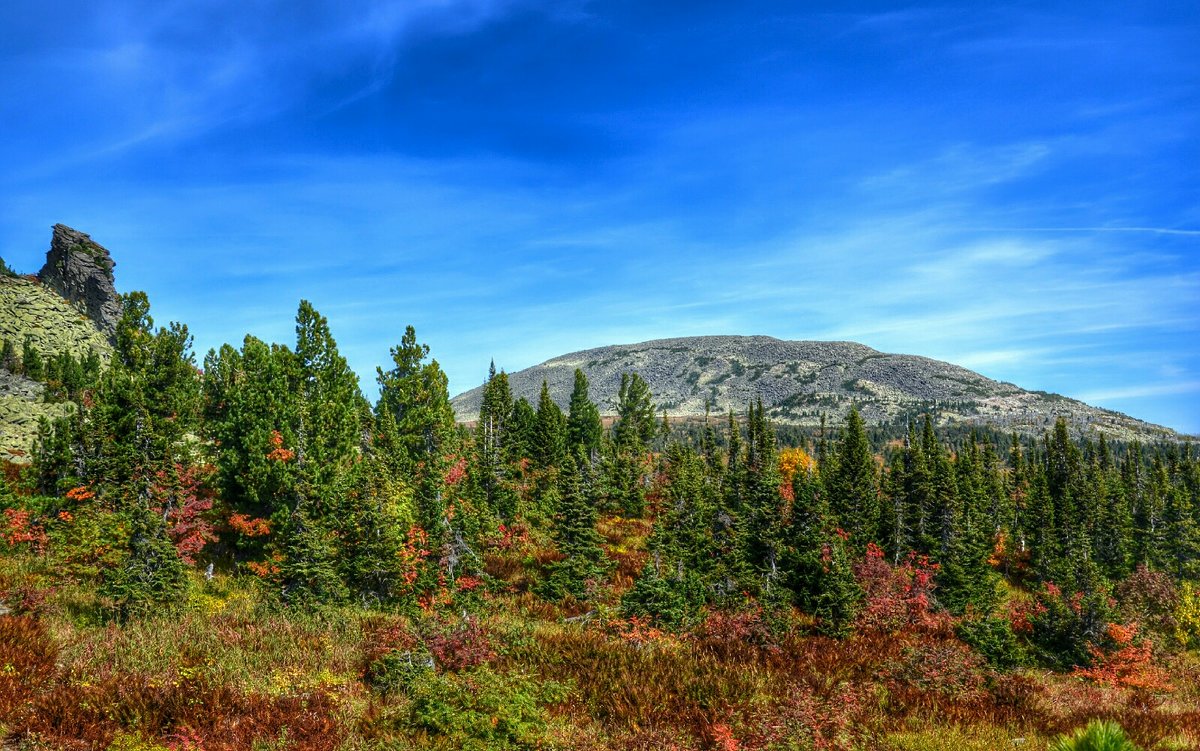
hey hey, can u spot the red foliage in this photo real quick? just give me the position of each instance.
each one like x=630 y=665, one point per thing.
x=468 y=583
x=741 y=634
x=897 y=597
x=457 y=472
x=412 y=555
x=636 y=630
x=80 y=494
x=21 y=527
x=279 y=453
x=249 y=526
x=182 y=493
x=509 y=536
x=461 y=648
x=721 y=738
x=1125 y=661
x=1022 y=614
x=265 y=569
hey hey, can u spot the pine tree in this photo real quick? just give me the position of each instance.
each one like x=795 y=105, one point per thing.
x=150 y=574
x=576 y=537
x=414 y=393
x=548 y=448
x=583 y=419
x=853 y=490
x=330 y=427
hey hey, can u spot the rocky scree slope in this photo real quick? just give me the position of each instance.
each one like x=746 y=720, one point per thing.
x=799 y=381
x=70 y=306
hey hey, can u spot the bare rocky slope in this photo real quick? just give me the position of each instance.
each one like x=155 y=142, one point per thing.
x=799 y=381
x=70 y=306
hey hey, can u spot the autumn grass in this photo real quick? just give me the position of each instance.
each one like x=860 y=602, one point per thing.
x=230 y=670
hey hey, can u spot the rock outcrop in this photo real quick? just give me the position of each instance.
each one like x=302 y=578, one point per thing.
x=80 y=270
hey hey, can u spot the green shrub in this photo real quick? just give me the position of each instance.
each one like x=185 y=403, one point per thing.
x=1097 y=736
x=667 y=603
x=395 y=671
x=994 y=640
x=483 y=709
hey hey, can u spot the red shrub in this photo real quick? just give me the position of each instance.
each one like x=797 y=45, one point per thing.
x=461 y=648
x=897 y=597
x=734 y=635
x=1125 y=661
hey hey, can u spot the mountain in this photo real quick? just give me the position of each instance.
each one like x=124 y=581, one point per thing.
x=799 y=381
x=70 y=306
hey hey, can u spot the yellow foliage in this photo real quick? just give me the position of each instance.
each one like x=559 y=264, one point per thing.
x=135 y=742
x=1187 y=616
x=795 y=460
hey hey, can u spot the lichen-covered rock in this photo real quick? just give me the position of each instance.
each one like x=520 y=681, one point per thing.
x=21 y=413
x=80 y=270
x=29 y=310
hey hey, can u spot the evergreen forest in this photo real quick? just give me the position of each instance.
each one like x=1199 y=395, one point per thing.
x=244 y=551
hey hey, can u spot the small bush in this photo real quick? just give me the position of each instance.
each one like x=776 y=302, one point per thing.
x=483 y=709
x=994 y=640
x=1097 y=736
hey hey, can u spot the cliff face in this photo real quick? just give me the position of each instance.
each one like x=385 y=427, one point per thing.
x=80 y=270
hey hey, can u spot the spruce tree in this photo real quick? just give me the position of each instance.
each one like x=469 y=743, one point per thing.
x=308 y=572
x=576 y=538
x=853 y=488
x=494 y=440
x=584 y=429
x=818 y=565
x=548 y=448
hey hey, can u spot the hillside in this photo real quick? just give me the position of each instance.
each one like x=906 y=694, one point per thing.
x=799 y=381
x=70 y=307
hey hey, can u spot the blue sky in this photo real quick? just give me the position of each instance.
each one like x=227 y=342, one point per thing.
x=1011 y=187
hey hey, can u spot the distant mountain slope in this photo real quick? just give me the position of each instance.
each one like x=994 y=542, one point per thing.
x=800 y=380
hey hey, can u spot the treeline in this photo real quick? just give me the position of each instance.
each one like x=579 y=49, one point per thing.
x=269 y=460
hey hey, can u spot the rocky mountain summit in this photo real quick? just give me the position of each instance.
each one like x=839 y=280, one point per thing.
x=80 y=270
x=799 y=381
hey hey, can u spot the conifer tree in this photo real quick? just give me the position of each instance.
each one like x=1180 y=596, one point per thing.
x=308 y=572
x=583 y=419
x=414 y=393
x=549 y=441
x=761 y=527
x=331 y=406
x=375 y=510
x=576 y=537
x=494 y=443
x=524 y=417
x=635 y=426
x=631 y=435
x=818 y=569
x=149 y=573
x=853 y=488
